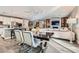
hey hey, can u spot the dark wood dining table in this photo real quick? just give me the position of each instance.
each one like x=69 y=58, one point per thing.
x=46 y=36
x=43 y=38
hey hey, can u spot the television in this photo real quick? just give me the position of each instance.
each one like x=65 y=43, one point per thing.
x=55 y=24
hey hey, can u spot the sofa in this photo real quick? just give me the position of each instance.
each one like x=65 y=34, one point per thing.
x=77 y=34
x=62 y=34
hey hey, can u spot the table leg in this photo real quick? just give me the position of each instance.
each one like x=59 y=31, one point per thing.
x=44 y=46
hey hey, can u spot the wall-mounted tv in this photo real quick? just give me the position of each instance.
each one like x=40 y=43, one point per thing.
x=55 y=24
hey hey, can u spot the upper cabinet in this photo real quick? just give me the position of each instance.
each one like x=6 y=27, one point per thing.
x=9 y=21
x=6 y=20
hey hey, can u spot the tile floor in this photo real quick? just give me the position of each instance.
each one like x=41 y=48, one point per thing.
x=54 y=46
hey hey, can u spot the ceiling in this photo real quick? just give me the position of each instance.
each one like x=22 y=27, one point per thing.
x=36 y=12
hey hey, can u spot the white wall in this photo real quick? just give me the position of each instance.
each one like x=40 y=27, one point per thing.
x=17 y=20
x=75 y=13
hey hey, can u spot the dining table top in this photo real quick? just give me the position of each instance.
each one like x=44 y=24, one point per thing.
x=42 y=36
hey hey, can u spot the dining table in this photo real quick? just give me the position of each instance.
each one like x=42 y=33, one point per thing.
x=44 y=39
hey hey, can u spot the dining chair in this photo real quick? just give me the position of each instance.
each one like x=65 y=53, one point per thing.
x=20 y=40
x=19 y=36
x=30 y=40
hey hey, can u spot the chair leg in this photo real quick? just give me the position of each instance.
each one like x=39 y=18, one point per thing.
x=24 y=48
x=30 y=51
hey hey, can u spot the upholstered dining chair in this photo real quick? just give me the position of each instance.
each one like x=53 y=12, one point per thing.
x=19 y=36
x=20 y=41
x=30 y=40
